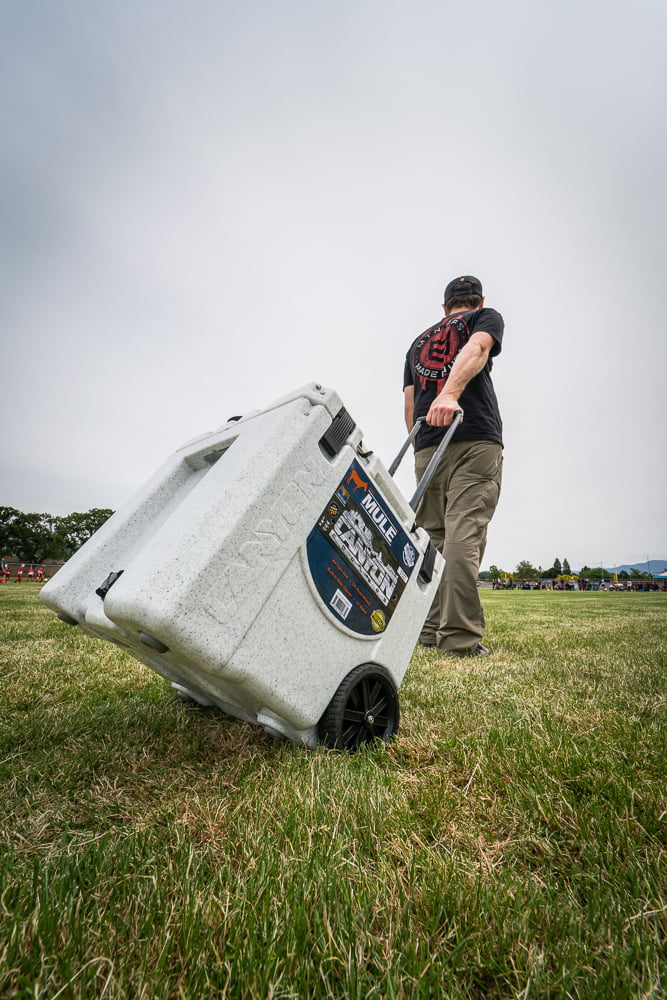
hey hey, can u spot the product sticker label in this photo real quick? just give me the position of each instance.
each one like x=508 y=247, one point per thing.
x=359 y=556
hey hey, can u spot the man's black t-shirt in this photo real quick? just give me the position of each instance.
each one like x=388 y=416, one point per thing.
x=427 y=367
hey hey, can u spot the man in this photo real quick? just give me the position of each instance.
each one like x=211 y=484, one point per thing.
x=448 y=368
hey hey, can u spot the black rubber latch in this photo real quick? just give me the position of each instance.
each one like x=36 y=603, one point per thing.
x=426 y=568
x=105 y=587
x=335 y=437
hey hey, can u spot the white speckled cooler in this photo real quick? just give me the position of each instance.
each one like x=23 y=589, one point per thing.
x=259 y=566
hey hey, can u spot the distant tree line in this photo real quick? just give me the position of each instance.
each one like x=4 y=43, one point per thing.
x=33 y=538
x=526 y=571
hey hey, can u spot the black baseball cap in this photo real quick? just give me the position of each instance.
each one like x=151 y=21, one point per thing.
x=465 y=285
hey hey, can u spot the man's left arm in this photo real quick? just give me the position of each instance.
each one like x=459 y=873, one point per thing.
x=469 y=362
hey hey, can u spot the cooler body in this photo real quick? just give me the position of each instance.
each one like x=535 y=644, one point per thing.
x=259 y=566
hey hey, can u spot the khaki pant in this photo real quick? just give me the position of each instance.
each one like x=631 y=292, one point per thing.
x=455 y=511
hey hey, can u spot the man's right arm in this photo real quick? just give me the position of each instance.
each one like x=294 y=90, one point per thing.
x=409 y=406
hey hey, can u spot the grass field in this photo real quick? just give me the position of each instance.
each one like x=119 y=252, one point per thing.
x=509 y=843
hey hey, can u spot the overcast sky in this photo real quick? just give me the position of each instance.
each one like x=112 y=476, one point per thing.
x=205 y=205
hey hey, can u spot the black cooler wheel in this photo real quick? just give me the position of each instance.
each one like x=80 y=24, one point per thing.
x=363 y=709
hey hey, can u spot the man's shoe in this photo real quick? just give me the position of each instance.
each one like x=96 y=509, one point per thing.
x=476 y=650
x=427 y=645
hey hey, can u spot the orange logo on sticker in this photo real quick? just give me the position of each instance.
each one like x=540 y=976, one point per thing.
x=359 y=483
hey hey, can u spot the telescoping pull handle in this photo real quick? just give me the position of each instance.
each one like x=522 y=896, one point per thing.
x=435 y=460
x=404 y=447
